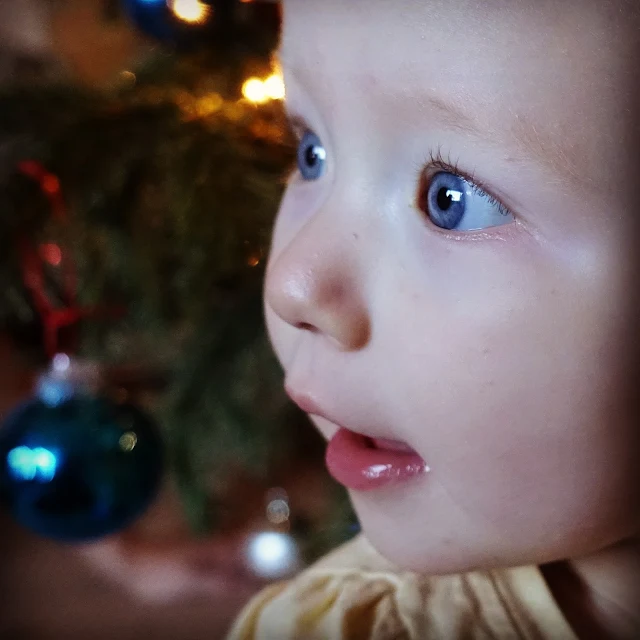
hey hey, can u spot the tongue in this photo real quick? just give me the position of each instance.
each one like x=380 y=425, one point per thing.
x=391 y=445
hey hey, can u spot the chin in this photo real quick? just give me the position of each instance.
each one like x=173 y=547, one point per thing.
x=438 y=561
x=405 y=543
x=437 y=545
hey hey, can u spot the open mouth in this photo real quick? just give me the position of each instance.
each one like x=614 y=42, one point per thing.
x=364 y=464
x=390 y=445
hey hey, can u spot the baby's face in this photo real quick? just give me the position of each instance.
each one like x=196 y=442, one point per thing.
x=452 y=265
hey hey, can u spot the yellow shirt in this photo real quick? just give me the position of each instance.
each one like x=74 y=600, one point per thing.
x=355 y=594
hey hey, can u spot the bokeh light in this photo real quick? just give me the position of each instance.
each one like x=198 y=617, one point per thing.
x=190 y=11
x=254 y=91
x=274 y=86
x=273 y=555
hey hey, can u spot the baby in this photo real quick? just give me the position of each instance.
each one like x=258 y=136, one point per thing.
x=452 y=292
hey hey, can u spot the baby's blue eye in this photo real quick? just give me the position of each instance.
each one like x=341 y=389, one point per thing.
x=451 y=202
x=312 y=156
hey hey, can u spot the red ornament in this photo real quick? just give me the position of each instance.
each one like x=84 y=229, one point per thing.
x=51 y=253
x=33 y=262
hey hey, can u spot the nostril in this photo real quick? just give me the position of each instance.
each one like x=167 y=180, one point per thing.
x=305 y=326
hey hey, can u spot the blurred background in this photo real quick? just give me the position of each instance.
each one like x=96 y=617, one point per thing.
x=143 y=153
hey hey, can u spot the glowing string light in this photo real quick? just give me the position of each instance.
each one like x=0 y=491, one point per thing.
x=190 y=11
x=260 y=91
x=254 y=91
x=274 y=86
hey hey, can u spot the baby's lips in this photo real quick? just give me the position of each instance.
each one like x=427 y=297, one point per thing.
x=359 y=462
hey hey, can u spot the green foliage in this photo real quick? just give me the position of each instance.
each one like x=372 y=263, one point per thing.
x=171 y=187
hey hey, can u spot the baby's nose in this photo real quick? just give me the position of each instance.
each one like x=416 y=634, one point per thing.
x=315 y=284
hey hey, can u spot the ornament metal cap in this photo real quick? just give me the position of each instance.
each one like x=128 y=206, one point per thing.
x=65 y=377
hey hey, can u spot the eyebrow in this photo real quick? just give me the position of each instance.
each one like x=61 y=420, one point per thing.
x=528 y=140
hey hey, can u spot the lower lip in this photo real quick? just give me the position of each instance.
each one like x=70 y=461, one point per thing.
x=356 y=463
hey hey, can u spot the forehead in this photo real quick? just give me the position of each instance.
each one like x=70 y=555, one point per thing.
x=557 y=78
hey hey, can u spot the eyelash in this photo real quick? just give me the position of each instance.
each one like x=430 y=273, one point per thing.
x=436 y=161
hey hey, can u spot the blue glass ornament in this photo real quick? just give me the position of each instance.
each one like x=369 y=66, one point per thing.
x=75 y=466
x=154 y=18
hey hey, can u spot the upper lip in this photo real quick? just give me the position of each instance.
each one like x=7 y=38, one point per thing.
x=307 y=402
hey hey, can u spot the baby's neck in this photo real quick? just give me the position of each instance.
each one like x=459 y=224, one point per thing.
x=600 y=594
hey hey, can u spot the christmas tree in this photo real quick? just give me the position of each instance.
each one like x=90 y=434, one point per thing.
x=160 y=190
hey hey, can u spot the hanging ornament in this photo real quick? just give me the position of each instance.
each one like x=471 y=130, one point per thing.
x=57 y=307
x=180 y=23
x=75 y=466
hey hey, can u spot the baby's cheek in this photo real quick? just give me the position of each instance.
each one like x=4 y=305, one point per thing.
x=300 y=202
x=285 y=225
x=501 y=395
